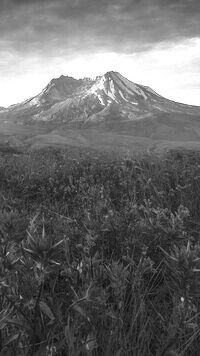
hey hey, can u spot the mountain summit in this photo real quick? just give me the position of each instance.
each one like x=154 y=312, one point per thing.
x=106 y=97
x=111 y=104
x=109 y=88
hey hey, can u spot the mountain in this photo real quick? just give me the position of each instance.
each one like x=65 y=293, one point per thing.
x=107 y=104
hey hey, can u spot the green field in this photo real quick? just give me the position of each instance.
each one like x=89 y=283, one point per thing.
x=99 y=253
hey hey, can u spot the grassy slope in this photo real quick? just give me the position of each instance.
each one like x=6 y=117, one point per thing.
x=156 y=133
x=22 y=138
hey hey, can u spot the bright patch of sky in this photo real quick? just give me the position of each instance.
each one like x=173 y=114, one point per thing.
x=171 y=69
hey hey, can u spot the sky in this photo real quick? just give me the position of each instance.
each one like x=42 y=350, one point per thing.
x=151 y=42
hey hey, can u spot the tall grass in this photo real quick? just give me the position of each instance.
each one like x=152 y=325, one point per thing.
x=99 y=254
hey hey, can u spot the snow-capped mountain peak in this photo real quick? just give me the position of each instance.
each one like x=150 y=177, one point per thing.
x=104 y=98
x=113 y=87
x=101 y=112
x=109 y=88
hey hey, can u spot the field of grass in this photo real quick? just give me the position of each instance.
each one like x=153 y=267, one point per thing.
x=100 y=254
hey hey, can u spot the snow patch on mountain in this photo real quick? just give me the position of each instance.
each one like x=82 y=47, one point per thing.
x=122 y=95
x=34 y=101
x=97 y=88
x=103 y=87
x=99 y=85
x=100 y=99
x=128 y=86
x=111 y=91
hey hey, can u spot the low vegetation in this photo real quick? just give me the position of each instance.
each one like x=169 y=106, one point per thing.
x=99 y=255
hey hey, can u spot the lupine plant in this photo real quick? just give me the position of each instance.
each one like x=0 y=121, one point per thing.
x=99 y=254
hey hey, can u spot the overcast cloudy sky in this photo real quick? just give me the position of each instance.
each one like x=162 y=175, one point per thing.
x=151 y=42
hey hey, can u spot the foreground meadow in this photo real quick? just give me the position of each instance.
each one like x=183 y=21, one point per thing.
x=99 y=255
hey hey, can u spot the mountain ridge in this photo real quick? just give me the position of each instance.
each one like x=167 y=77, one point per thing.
x=92 y=95
x=109 y=104
x=87 y=81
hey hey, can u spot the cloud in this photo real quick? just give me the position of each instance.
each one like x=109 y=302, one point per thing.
x=172 y=71
x=85 y=25
x=45 y=38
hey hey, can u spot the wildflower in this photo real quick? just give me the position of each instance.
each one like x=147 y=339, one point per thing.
x=144 y=250
x=51 y=350
x=80 y=267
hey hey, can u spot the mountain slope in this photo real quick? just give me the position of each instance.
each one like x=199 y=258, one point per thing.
x=108 y=103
